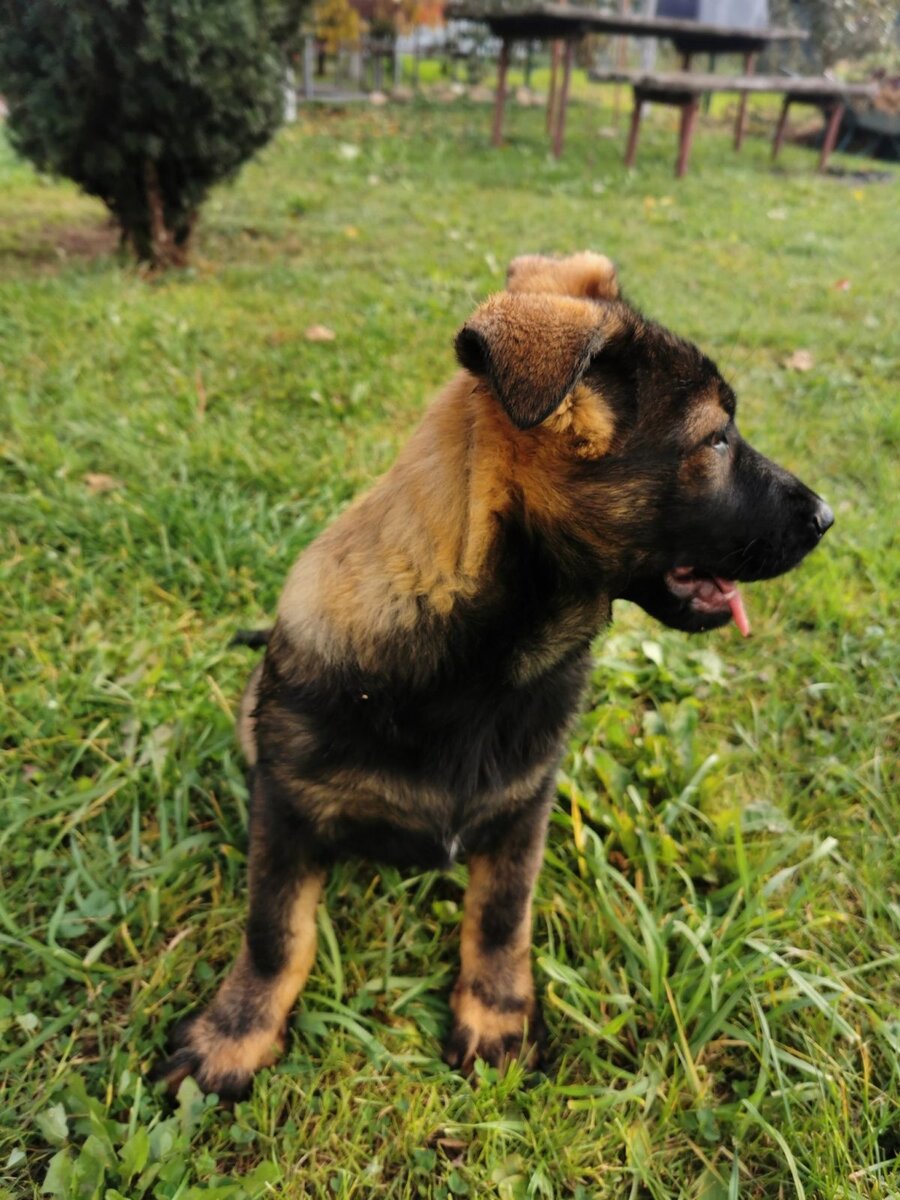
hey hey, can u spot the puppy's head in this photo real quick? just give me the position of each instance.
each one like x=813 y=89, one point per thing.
x=633 y=466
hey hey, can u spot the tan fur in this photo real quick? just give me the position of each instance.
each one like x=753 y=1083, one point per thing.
x=425 y=532
x=704 y=417
x=486 y=1026
x=417 y=534
x=246 y=722
x=512 y=971
x=534 y=348
x=502 y=974
x=272 y=1000
x=586 y=275
x=585 y=422
x=225 y=1056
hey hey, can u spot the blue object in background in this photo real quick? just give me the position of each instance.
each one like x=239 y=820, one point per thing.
x=740 y=14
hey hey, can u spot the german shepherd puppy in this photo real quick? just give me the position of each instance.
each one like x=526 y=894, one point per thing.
x=431 y=646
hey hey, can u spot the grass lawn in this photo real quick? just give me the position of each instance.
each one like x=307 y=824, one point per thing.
x=716 y=927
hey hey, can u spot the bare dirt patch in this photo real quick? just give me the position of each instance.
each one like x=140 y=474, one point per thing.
x=47 y=245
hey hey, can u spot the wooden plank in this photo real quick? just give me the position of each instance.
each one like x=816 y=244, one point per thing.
x=559 y=132
x=634 y=131
x=741 y=122
x=778 y=140
x=689 y=113
x=831 y=132
x=500 y=98
x=695 y=82
x=555 y=56
x=536 y=15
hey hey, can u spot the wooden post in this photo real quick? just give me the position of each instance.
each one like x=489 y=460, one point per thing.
x=555 y=49
x=831 y=132
x=689 y=113
x=621 y=58
x=559 y=132
x=633 y=132
x=741 y=123
x=500 y=99
x=309 y=67
x=780 y=127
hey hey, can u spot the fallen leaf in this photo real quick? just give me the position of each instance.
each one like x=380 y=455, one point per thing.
x=800 y=360
x=319 y=333
x=201 y=394
x=96 y=482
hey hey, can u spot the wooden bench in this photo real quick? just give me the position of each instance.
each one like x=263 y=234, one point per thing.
x=684 y=89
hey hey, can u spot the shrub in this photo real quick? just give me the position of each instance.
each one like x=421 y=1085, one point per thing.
x=145 y=103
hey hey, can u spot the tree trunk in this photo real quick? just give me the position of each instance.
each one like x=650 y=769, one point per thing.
x=167 y=248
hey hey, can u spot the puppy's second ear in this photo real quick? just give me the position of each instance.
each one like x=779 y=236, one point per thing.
x=533 y=349
x=588 y=275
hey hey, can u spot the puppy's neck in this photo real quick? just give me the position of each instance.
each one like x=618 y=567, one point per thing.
x=455 y=529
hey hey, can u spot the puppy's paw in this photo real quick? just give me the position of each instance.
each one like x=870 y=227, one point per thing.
x=495 y=1029
x=219 y=1061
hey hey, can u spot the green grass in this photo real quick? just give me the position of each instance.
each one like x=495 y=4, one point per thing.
x=716 y=927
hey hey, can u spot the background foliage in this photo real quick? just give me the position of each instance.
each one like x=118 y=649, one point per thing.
x=842 y=29
x=145 y=103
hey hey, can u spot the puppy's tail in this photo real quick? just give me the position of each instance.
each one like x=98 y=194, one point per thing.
x=256 y=639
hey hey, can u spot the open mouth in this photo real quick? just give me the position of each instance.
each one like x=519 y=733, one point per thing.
x=708 y=594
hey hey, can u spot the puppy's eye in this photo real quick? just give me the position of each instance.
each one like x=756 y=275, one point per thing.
x=719 y=441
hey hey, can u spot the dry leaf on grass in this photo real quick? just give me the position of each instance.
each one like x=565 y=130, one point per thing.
x=800 y=360
x=96 y=482
x=319 y=333
x=201 y=394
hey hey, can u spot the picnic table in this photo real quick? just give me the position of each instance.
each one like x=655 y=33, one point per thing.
x=683 y=89
x=570 y=23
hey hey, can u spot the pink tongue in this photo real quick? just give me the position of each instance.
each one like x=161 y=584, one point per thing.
x=735 y=603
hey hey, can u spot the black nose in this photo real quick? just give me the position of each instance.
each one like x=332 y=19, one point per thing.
x=823 y=518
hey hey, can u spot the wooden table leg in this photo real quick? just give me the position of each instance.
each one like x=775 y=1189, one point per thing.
x=633 y=132
x=741 y=124
x=780 y=127
x=500 y=98
x=831 y=132
x=559 y=132
x=689 y=113
x=555 y=49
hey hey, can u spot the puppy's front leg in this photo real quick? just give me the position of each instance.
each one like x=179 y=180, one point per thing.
x=496 y=1015
x=244 y=1026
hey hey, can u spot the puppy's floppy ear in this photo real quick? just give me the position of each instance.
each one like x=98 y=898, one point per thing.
x=588 y=275
x=533 y=349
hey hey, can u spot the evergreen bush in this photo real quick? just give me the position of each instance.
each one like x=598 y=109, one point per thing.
x=145 y=103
